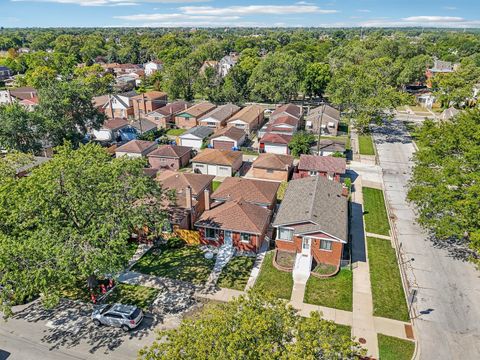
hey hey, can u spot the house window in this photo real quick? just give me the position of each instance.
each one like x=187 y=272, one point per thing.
x=312 y=173
x=269 y=171
x=285 y=234
x=245 y=238
x=211 y=233
x=325 y=245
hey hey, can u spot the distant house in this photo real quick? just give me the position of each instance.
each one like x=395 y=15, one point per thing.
x=29 y=104
x=239 y=215
x=285 y=124
x=136 y=148
x=120 y=105
x=272 y=167
x=111 y=130
x=328 y=116
x=311 y=165
x=249 y=119
x=125 y=82
x=329 y=147
x=190 y=190
x=275 y=143
x=217 y=162
x=312 y=223
x=189 y=118
x=209 y=64
x=287 y=109
x=195 y=137
x=5 y=73
x=164 y=117
x=152 y=66
x=226 y=64
x=171 y=157
x=439 y=67
x=10 y=96
x=228 y=139
x=148 y=102
x=217 y=118
x=144 y=126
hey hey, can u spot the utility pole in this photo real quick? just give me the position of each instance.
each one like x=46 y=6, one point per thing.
x=320 y=129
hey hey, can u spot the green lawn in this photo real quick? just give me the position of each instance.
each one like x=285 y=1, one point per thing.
x=365 y=145
x=392 y=348
x=387 y=290
x=375 y=215
x=175 y=132
x=334 y=292
x=186 y=263
x=215 y=184
x=237 y=272
x=140 y=296
x=344 y=330
x=279 y=283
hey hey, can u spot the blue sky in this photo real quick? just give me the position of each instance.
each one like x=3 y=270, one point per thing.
x=275 y=13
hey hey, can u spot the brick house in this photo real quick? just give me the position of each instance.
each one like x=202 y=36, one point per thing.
x=272 y=167
x=312 y=165
x=249 y=119
x=189 y=118
x=228 y=138
x=325 y=117
x=136 y=148
x=148 y=102
x=164 y=117
x=119 y=105
x=190 y=190
x=240 y=214
x=171 y=157
x=217 y=118
x=312 y=222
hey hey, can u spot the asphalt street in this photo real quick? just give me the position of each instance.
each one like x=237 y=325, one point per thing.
x=447 y=305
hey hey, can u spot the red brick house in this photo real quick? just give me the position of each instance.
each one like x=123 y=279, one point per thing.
x=312 y=165
x=164 y=117
x=272 y=167
x=312 y=223
x=148 y=102
x=189 y=118
x=239 y=215
x=171 y=157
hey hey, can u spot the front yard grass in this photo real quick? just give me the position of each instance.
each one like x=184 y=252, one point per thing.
x=334 y=292
x=138 y=295
x=278 y=283
x=236 y=273
x=175 y=132
x=387 y=290
x=375 y=213
x=365 y=145
x=186 y=263
x=215 y=185
x=392 y=348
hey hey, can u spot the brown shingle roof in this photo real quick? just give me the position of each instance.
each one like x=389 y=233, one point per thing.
x=172 y=108
x=328 y=164
x=291 y=109
x=273 y=161
x=151 y=95
x=115 y=124
x=170 y=151
x=253 y=191
x=174 y=180
x=232 y=133
x=199 y=109
x=136 y=146
x=286 y=119
x=248 y=114
x=218 y=157
x=276 y=138
x=237 y=215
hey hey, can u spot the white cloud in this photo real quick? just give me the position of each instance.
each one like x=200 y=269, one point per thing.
x=423 y=21
x=449 y=7
x=255 y=10
x=364 y=10
x=113 y=2
x=434 y=19
x=172 y=17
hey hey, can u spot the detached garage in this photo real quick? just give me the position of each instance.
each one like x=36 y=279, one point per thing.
x=275 y=143
x=217 y=162
x=228 y=139
x=194 y=137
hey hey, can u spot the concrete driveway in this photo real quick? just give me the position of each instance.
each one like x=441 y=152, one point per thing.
x=447 y=304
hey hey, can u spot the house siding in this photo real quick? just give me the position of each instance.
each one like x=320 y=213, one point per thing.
x=254 y=244
x=277 y=175
x=185 y=123
x=305 y=173
x=158 y=162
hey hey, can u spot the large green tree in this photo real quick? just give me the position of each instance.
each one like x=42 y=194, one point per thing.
x=253 y=327
x=445 y=184
x=301 y=143
x=71 y=218
x=317 y=76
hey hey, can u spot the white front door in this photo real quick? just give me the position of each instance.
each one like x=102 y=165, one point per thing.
x=227 y=238
x=306 y=244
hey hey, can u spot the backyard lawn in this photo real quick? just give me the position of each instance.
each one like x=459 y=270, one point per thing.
x=392 y=348
x=186 y=263
x=375 y=213
x=237 y=272
x=334 y=292
x=175 y=132
x=140 y=296
x=215 y=185
x=276 y=282
x=387 y=290
x=365 y=145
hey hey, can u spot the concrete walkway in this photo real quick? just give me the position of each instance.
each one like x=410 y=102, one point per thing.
x=141 y=250
x=378 y=236
x=225 y=254
x=257 y=265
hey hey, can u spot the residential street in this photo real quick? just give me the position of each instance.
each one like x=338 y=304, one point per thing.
x=447 y=304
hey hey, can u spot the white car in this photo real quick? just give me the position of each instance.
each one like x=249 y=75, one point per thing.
x=126 y=317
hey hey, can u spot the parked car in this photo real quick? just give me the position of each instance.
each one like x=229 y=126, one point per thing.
x=126 y=317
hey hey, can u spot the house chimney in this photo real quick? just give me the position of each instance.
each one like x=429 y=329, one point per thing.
x=188 y=197
x=207 y=199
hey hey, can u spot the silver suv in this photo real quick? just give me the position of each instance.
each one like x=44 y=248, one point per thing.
x=126 y=317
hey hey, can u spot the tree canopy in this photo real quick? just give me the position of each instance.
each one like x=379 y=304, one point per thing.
x=255 y=326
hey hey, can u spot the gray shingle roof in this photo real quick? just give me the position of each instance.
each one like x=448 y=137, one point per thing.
x=200 y=131
x=316 y=200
